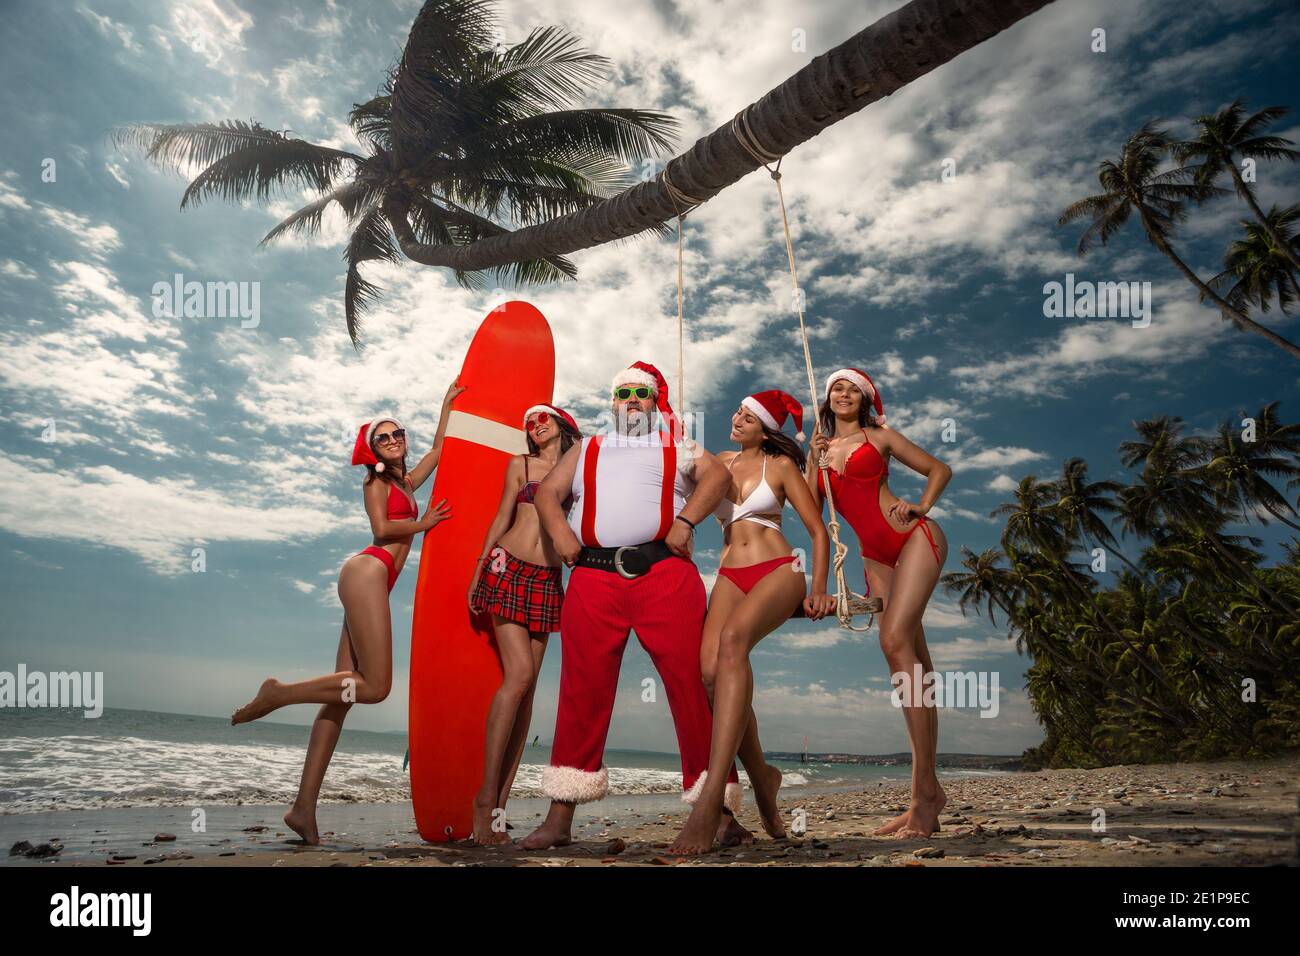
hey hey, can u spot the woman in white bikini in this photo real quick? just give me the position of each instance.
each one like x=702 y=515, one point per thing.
x=760 y=585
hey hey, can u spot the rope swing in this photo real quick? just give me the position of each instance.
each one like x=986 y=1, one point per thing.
x=847 y=602
x=679 y=199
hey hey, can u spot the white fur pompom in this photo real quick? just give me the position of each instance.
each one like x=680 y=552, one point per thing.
x=800 y=437
x=379 y=467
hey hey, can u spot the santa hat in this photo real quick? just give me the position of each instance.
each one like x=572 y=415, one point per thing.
x=643 y=373
x=362 y=452
x=862 y=380
x=773 y=407
x=557 y=412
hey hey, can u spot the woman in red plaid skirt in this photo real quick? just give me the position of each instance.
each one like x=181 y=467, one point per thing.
x=518 y=581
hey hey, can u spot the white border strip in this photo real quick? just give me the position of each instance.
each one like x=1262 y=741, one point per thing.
x=484 y=431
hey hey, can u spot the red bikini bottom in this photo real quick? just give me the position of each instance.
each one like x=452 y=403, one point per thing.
x=884 y=544
x=382 y=554
x=745 y=578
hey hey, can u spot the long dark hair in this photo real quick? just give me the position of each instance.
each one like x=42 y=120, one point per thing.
x=826 y=415
x=779 y=443
x=568 y=435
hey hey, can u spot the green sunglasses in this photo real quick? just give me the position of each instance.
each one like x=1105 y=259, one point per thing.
x=624 y=392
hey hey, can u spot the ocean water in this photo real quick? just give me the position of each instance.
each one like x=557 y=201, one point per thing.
x=58 y=760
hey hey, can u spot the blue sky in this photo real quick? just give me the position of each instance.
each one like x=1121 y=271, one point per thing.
x=174 y=433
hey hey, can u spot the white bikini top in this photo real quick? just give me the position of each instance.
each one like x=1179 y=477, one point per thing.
x=760 y=507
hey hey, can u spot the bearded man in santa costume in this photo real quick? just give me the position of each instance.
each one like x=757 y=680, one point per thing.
x=638 y=493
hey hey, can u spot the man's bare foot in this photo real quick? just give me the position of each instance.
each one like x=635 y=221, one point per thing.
x=697 y=833
x=303 y=823
x=484 y=834
x=546 y=836
x=259 y=706
x=731 y=832
x=769 y=813
x=923 y=814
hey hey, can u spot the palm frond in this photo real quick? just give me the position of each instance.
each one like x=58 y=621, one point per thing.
x=371 y=240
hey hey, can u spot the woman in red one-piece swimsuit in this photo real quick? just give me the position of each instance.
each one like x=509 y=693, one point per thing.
x=903 y=552
x=363 y=667
x=518 y=581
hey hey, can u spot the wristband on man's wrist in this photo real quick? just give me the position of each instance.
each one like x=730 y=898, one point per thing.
x=689 y=522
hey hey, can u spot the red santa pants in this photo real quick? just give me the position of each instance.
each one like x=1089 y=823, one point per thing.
x=666 y=608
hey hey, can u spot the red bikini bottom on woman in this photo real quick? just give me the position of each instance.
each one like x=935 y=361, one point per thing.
x=382 y=554
x=745 y=578
x=884 y=544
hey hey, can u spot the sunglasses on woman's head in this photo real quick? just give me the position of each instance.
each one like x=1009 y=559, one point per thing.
x=623 y=393
x=388 y=438
x=541 y=418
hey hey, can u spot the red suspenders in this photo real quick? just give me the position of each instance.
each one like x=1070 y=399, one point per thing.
x=666 y=495
x=589 y=493
x=589 y=490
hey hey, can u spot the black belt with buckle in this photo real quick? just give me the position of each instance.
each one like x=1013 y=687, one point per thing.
x=631 y=561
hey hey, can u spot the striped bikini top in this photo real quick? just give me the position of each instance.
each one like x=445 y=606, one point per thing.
x=761 y=506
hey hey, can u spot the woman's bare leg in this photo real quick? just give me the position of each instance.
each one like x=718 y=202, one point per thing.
x=760 y=612
x=363 y=589
x=519 y=735
x=763 y=777
x=516 y=682
x=915 y=576
x=725 y=598
x=325 y=731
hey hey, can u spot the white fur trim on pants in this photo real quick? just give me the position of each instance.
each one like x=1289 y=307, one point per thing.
x=571 y=785
x=732 y=796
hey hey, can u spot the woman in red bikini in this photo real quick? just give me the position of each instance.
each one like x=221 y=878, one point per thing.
x=902 y=566
x=760 y=585
x=363 y=667
x=518 y=581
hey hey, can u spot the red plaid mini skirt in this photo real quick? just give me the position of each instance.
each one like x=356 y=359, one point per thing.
x=520 y=591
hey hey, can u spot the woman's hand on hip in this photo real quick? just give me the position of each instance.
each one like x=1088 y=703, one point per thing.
x=904 y=511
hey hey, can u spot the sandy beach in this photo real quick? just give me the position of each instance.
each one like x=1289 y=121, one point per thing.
x=1236 y=813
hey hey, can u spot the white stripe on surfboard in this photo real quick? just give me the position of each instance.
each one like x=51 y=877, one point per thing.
x=484 y=431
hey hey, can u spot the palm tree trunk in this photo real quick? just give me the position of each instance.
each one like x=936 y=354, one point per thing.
x=878 y=61
x=1238 y=318
x=1244 y=192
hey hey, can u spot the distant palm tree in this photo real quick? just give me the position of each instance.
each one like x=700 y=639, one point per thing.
x=1239 y=472
x=1135 y=185
x=465 y=140
x=1084 y=507
x=1226 y=137
x=1172 y=493
x=1256 y=270
x=1200 y=609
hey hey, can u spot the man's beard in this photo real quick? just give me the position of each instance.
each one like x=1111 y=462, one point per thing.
x=633 y=422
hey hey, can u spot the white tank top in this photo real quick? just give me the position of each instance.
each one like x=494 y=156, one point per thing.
x=761 y=506
x=626 y=502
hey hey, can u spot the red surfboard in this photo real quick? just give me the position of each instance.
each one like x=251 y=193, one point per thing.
x=455 y=668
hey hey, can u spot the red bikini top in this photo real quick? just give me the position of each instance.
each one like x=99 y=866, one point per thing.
x=403 y=508
x=529 y=491
x=871 y=467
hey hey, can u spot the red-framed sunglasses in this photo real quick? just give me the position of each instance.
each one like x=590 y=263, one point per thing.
x=541 y=418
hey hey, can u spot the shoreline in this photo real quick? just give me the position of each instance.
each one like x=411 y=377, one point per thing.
x=1229 y=813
